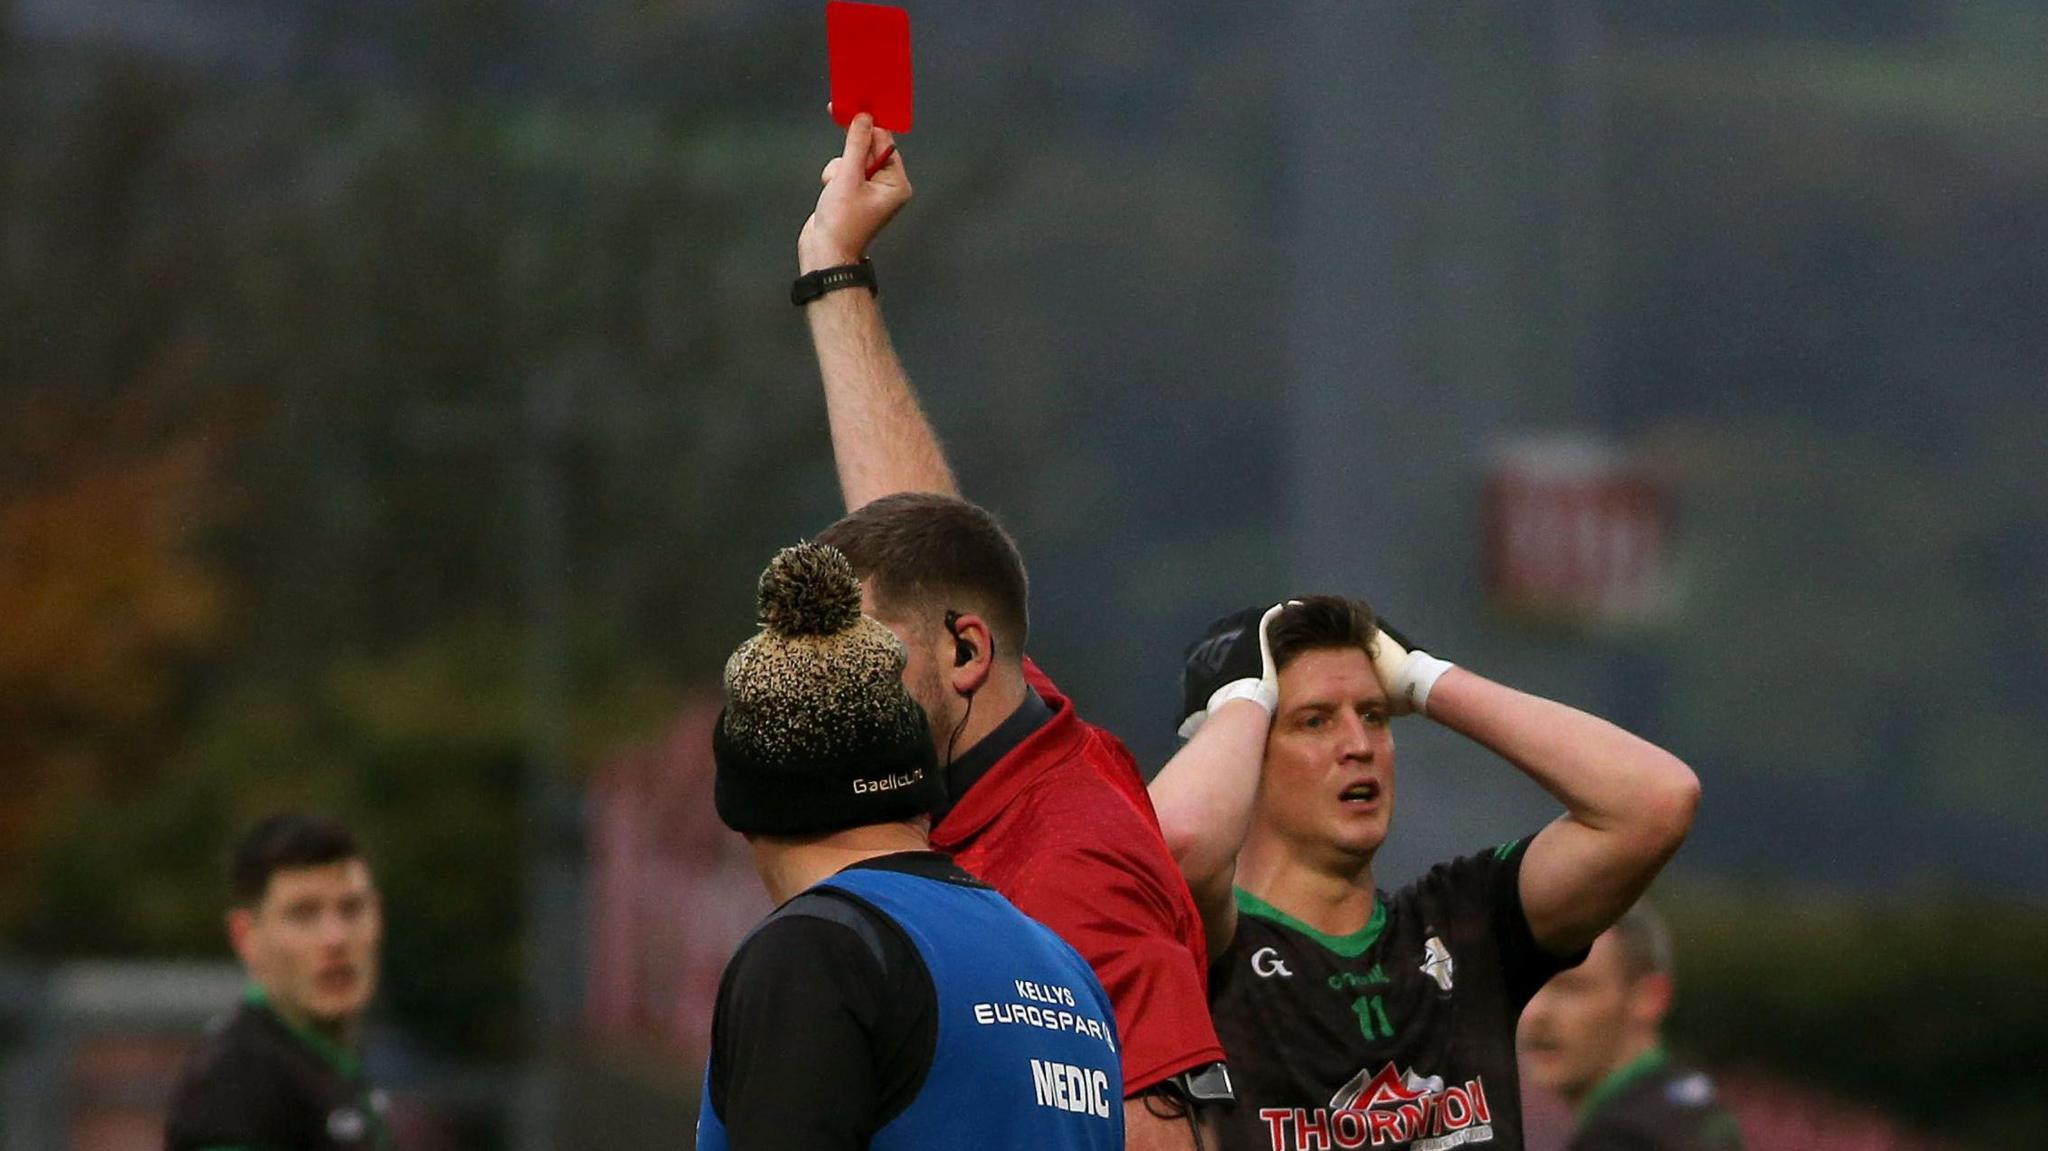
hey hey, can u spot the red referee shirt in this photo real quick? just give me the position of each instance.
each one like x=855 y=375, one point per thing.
x=1063 y=827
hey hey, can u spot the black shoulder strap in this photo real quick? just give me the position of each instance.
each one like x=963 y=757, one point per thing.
x=844 y=909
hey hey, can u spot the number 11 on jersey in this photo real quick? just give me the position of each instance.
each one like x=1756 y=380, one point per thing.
x=1372 y=1017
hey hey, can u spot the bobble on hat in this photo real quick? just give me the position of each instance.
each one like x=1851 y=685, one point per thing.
x=809 y=589
x=818 y=732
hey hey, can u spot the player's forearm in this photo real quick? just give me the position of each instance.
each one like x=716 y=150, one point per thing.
x=1205 y=795
x=1612 y=782
x=881 y=441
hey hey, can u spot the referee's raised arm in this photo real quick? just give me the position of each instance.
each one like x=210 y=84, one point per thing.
x=1044 y=807
x=881 y=441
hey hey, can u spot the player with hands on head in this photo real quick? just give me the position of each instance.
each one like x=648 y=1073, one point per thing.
x=1046 y=808
x=1352 y=1015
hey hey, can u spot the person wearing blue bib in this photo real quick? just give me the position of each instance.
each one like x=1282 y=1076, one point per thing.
x=891 y=1000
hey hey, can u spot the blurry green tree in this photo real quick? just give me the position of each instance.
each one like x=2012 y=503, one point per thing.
x=300 y=581
x=105 y=601
x=1930 y=1009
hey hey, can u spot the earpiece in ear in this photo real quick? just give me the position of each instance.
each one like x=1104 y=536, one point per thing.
x=963 y=652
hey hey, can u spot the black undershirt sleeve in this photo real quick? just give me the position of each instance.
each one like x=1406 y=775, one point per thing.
x=820 y=1036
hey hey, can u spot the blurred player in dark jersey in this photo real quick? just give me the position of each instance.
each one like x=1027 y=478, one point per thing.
x=1353 y=1016
x=282 y=1073
x=892 y=1001
x=1046 y=808
x=1594 y=1035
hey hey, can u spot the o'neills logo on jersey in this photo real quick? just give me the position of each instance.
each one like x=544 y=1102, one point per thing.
x=887 y=782
x=1384 y=1109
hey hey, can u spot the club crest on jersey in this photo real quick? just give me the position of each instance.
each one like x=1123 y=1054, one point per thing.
x=1693 y=1090
x=347 y=1125
x=1368 y=1089
x=1266 y=963
x=1437 y=963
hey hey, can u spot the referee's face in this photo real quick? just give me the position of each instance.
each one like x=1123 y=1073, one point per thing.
x=924 y=645
x=312 y=943
x=1328 y=784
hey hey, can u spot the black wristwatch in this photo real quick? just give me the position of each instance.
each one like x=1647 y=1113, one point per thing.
x=811 y=285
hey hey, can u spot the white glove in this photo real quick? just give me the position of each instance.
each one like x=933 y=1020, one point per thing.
x=1406 y=673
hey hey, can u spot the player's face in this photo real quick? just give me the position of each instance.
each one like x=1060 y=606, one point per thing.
x=1575 y=1029
x=924 y=672
x=312 y=943
x=1328 y=784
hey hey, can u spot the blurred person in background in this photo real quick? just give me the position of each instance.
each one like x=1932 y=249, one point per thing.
x=282 y=1072
x=1049 y=810
x=891 y=1000
x=1594 y=1035
x=1355 y=1016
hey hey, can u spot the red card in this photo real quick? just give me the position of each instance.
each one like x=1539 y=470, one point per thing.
x=869 y=49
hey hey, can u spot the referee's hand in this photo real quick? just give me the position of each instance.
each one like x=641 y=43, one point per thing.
x=854 y=206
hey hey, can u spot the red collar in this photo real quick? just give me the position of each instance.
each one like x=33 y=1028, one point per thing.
x=1058 y=738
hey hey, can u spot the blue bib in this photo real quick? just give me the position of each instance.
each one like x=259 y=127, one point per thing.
x=1027 y=1056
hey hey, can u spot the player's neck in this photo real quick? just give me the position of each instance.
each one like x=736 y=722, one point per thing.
x=790 y=864
x=341 y=1033
x=1333 y=897
x=1634 y=1050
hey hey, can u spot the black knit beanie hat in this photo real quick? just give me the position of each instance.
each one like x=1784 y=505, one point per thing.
x=818 y=733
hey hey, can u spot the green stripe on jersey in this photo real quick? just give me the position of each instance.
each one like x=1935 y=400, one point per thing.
x=1347 y=946
x=1621 y=1078
x=330 y=1052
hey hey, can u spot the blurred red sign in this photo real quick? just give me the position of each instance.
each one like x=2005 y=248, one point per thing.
x=120 y=1086
x=1576 y=532
x=673 y=893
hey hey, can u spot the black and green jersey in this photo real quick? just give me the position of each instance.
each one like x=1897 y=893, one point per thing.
x=1400 y=1035
x=256 y=1083
x=1652 y=1104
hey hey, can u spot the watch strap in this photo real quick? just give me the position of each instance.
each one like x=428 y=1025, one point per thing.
x=811 y=285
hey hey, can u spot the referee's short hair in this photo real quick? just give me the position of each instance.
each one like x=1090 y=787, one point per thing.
x=280 y=842
x=922 y=553
x=1644 y=941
